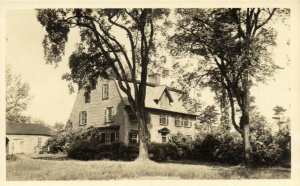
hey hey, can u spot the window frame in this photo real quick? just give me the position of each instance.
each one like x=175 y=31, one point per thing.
x=82 y=118
x=103 y=139
x=147 y=117
x=132 y=118
x=131 y=139
x=187 y=123
x=105 y=91
x=163 y=117
x=116 y=138
x=109 y=115
x=87 y=97
x=177 y=121
x=39 y=143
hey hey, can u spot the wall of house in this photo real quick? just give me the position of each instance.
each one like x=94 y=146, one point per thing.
x=27 y=144
x=96 y=108
x=155 y=126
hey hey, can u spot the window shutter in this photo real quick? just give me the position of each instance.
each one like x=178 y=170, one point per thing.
x=112 y=113
x=107 y=90
x=80 y=118
x=167 y=119
x=102 y=91
x=106 y=115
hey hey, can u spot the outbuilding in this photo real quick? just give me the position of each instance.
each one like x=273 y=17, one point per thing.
x=25 y=138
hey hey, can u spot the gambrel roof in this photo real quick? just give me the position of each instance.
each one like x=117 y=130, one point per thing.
x=154 y=93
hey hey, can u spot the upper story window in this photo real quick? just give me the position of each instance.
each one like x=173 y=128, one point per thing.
x=87 y=97
x=105 y=91
x=132 y=117
x=163 y=119
x=82 y=118
x=177 y=121
x=187 y=123
x=109 y=113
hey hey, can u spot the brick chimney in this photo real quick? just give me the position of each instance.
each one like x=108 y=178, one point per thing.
x=154 y=78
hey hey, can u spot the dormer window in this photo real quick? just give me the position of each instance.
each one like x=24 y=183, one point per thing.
x=105 y=91
x=164 y=101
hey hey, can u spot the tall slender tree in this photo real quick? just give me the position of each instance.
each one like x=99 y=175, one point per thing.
x=233 y=49
x=17 y=97
x=114 y=42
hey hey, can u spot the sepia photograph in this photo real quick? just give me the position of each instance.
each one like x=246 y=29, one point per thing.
x=146 y=93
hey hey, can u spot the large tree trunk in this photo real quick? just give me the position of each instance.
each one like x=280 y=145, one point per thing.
x=245 y=122
x=247 y=145
x=143 y=139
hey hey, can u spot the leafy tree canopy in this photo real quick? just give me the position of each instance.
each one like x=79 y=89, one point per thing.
x=17 y=97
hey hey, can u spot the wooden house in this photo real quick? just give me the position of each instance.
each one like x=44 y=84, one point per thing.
x=107 y=107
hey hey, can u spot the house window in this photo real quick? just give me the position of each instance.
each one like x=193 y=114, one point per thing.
x=163 y=119
x=147 y=118
x=177 y=121
x=82 y=118
x=87 y=97
x=164 y=138
x=39 y=143
x=132 y=117
x=109 y=113
x=105 y=91
x=187 y=123
x=114 y=137
x=133 y=137
x=103 y=137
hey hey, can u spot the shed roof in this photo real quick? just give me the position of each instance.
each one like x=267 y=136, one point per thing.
x=17 y=128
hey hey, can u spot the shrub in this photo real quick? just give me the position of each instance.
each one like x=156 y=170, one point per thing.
x=60 y=142
x=183 y=145
x=225 y=147
x=229 y=148
x=266 y=154
x=86 y=145
x=92 y=150
x=11 y=157
x=162 y=151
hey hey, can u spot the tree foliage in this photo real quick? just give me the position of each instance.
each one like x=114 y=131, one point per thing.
x=17 y=97
x=114 y=42
x=233 y=50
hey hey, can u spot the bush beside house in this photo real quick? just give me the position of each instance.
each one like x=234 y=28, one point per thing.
x=223 y=147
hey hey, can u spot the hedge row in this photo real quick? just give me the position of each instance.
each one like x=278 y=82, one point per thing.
x=220 y=147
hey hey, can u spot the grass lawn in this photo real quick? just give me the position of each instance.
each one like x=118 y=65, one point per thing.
x=27 y=168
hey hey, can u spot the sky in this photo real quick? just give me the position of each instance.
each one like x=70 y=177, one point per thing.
x=51 y=99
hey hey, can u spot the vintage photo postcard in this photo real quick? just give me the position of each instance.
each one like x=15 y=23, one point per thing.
x=130 y=93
